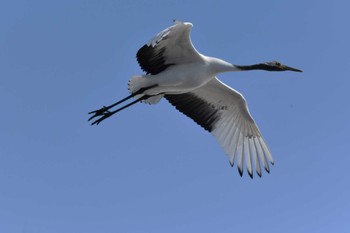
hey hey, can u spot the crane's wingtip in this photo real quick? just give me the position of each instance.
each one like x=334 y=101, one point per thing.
x=250 y=174
x=231 y=163
x=240 y=171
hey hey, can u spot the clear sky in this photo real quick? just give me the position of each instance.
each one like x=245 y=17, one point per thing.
x=150 y=168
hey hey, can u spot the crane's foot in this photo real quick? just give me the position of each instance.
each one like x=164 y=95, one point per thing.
x=103 y=116
x=105 y=113
x=99 y=112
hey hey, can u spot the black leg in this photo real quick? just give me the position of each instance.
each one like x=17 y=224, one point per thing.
x=104 y=110
x=107 y=114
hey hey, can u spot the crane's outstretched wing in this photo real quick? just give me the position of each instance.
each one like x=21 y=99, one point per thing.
x=224 y=113
x=171 y=46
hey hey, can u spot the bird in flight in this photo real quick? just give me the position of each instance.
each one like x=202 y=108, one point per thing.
x=176 y=71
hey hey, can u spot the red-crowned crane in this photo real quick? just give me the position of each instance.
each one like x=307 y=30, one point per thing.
x=176 y=71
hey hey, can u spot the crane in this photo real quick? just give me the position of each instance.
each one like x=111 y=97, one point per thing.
x=176 y=71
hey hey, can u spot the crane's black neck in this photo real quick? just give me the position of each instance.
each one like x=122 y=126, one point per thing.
x=260 y=66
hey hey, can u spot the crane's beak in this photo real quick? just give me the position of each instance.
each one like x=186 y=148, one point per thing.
x=290 y=68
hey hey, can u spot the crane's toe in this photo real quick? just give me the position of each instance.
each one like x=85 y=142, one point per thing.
x=104 y=116
x=99 y=112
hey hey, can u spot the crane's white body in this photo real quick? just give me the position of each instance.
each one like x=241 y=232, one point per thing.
x=180 y=78
x=188 y=80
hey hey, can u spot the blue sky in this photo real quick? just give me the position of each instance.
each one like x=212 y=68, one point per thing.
x=150 y=168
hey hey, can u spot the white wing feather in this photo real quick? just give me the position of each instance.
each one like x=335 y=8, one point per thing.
x=172 y=46
x=177 y=43
x=235 y=129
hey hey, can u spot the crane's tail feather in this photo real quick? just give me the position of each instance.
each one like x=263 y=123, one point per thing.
x=137 y=83
x=153 y=99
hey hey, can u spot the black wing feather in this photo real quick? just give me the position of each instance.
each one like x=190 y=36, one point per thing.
x=199 y=110
x=151 y=59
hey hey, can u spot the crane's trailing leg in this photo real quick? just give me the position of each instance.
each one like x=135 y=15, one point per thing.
x=108 y=113
x=105 y=113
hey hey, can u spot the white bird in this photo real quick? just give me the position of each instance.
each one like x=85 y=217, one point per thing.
x=176 y=71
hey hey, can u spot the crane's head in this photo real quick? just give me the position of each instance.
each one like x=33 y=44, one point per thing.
x=276 y=66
